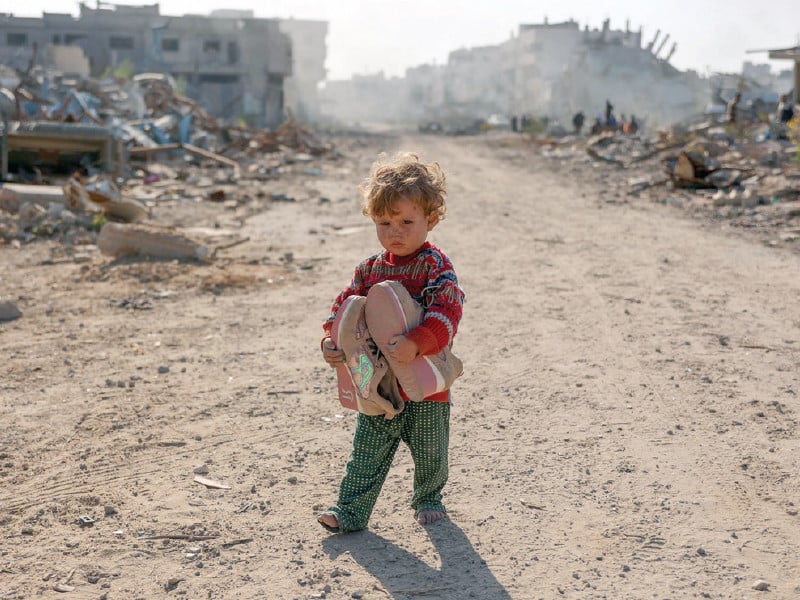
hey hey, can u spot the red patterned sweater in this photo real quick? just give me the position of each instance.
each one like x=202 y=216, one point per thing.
x=429 y=277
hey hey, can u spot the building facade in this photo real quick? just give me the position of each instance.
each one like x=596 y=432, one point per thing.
x=234 y=65
x=309 y=51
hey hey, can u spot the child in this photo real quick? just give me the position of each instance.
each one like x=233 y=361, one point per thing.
x=406 y=199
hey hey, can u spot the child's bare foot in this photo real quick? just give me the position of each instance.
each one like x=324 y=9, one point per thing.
x=426 y=517
x=329 y=521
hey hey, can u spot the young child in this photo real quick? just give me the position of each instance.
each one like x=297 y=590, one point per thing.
x=406 y=199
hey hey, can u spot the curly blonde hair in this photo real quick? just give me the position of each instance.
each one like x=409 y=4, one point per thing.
x=404 y=176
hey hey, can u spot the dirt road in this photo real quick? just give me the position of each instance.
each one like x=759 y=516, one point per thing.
x=626 y=426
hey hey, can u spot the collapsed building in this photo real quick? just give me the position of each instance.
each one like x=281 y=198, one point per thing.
x=235 y=65
x=552 y=69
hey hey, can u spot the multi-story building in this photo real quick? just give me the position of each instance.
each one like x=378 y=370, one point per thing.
x=233 y=64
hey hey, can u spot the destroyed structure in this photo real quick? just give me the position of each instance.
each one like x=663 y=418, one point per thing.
x=792 y=54
x=309 y=52
x=235 y=65
x=553 y=69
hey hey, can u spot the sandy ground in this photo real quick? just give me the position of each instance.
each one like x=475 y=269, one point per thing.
x=626 y=426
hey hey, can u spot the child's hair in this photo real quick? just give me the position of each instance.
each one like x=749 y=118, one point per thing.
x=403 y=176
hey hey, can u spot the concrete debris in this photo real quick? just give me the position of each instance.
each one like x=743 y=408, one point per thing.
x=150 y=150
x=31 y=144
x=760 y=585
x=59 y=124
x=743 y=174
x=101 y=192
x=9 y=311
x=120 y=240
x=81 y=157
x=43 y=210
x=14 y=196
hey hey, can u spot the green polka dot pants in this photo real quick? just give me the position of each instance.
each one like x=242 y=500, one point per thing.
x=425 y=428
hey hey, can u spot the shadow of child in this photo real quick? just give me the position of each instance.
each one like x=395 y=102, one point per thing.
x=462 y=573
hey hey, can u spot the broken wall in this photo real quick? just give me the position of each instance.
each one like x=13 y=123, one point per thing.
x=68 y=59
x=309 y=51
x=635 y=81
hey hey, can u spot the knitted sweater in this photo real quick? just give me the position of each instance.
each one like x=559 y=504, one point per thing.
x=429 y=278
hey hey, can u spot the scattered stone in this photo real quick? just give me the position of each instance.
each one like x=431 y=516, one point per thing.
x=121 y=239
x=172 y=583
x=85 y=521
x=761 y=586
x=163 y=370
x=9 y=311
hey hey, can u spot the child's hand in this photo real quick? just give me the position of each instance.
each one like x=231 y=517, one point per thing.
x=332 y=355
x=402 y=349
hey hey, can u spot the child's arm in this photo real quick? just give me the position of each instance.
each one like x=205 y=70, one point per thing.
x=330 y=353
x=444 y=302
x=356 y=287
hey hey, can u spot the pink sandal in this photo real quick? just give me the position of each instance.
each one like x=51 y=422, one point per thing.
x=391 y=311
x=361 y=379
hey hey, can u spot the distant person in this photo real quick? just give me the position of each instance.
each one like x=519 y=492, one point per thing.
x=785 y=109
x=632 y=126
x=577 y=121
x=597 y=126
x=732 y=109
x=783 y=114
x=609 y=111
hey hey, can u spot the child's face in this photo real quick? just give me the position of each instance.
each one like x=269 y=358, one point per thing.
x=403 y=230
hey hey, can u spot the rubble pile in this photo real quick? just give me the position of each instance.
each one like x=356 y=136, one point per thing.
x=78 y=153
x=740 y=174
x=147 y=112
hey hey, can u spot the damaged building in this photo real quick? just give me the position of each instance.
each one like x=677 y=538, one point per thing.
x=568 y=69
x=552 y=69
x=235 y=65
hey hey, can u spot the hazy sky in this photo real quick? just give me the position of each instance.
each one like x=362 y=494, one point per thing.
x=367 y=36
